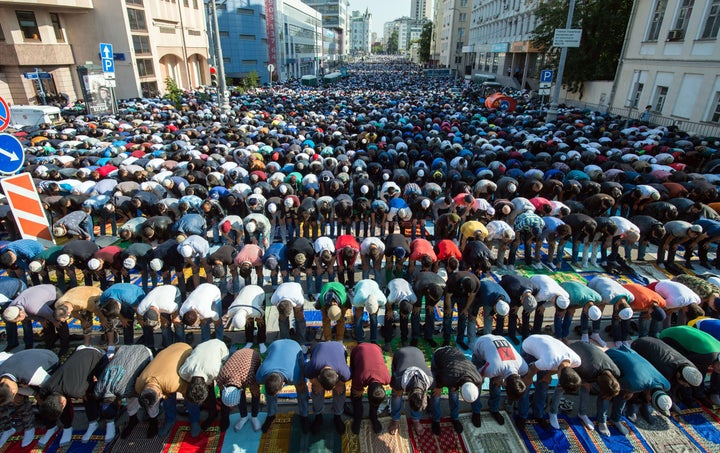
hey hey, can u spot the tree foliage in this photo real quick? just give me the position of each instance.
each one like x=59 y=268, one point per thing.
x=392 y=45
x=173 y=93
x=425 y=38
x=603 y=23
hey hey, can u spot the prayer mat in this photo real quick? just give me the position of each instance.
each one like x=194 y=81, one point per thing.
x=369 y=442
x=179 y=441
x=701 y=425
x=447 y=442
x=104 y=241
x=327 y=440
x=557 y=441
x=247 y=440
x=589 y=268
x=95 y=445
x=491 y=437
x=664 y=435
x=137 y=441
x=277 y=439
x=615 y=443
x=560 y=277
x=350 y=442
x=650 y=270
x=13 y=444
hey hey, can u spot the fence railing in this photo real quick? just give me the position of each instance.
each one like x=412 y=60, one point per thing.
x=691 y=127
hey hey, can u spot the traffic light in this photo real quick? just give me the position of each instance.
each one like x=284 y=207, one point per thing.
x=213 y=77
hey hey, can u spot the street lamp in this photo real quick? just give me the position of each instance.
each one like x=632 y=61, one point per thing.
x=222 y=98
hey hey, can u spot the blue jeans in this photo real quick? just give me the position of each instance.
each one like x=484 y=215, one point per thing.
x=303 y=404
x=586 y=326
x=453 y=400
x=170 y=407
x=205 y=324
x=396 y=405
x=562 y=321
x=538 y=403
x=359 y=334
x=602 y=405
x=460 y=302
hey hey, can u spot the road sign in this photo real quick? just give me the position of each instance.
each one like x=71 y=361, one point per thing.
x=37 y=75
x=110 y=83
x=106 y=57
x=27 y=209
x=546 y=75
x=544 y=92
x=4 y=114
x=567 y=37
x=271 y=67
x=545 y=84
x=12 y=155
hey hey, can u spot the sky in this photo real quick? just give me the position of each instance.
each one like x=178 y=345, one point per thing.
x=382 y=11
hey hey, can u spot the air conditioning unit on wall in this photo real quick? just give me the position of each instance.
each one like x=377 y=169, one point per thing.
x=676 y=35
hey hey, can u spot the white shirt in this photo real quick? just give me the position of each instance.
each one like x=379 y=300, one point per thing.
x=676 y=294
x=365 y=245
x=647 y=191
x=323 y=243
x=549 y=352
x=496 y=228
x=556 y=207
x=289 y=291
x=549 y=288
x=610 y=290
x=624 y=226
x=250 y=299
x=200 y=246
x=400 y=289
x=162 y=298
x=205 y=361
x=202 y=300
x=501 y=359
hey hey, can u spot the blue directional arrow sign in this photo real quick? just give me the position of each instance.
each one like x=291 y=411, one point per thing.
x=546 y=75
x=106 y=57
x=12 y=155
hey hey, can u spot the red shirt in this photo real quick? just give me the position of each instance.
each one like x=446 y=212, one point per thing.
x=367 y=365
x=344 y=241
x=539 y=202
x=110 y=256
x=251 y=253
x=105 y=170
x=447 y=248
x=421 y=247
x=644 y=297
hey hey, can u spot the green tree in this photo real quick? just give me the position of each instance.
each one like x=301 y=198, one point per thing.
x=392 y=45
x=425 y=38
x=173 y=93
x=376 y=48
x=251 y=81
x=603 y=24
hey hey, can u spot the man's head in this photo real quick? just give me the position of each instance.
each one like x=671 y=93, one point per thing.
x=197 y=391
x=190 y=318
x=13 y=313
x=149 y=398
x=51 y=407
x=59 y=231
x=434 y=293
x=8 y=390
x=7 y=259
x=274 y=382
x=376 y=394
x=285 y=309
x=426 y=261
x=326 y=258
x=515 y=387
x=609 y=385
x=245 y=269
x=62 y=312
x=111 y=309
x=328 y=378
x=417 y=399
x=690 y=376
x=218 y=271
x=151 y=318
x=569 y=379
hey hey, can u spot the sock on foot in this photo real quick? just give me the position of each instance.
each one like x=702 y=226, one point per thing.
x=597 y=339
x=240 y=423
x=623 y=430
x=588 y=423
x=584 y=338
x=255 y=422
x=47 y=436
x=92 y=426
x=109 y=431
x=603 y=429
x=66 y=436
x=28 y=437
x=6 y=435
x=554 y=421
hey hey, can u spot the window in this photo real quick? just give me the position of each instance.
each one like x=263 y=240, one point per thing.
x=186 y=3
x=715 y=114
x=638 y=91
x=149 y=89
x=28 y=25
x=683 y=17
x=250 y=62
x=245 y=11
x=141 y=44
x=660 y=96
x=195 y=4
x=55 y=20
x=224 y=34
x=656 y=20
x=712 y=22
x=2 y=34
x=136 y=17
x=135 y=2
x=247 y=37
x=145 y=67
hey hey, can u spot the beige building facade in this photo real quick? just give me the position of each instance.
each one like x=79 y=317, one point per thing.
x=152 y=40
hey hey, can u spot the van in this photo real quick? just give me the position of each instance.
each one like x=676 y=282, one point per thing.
x=34 y=115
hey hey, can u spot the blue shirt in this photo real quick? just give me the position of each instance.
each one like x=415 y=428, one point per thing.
x=10 y=287
x=25 y=250
x=279 y=251
x=284 y=357
x=328 y=354
x=125 y=293
x=191 y=224
x=636 y=373
x=710 y=227
x=707 y=325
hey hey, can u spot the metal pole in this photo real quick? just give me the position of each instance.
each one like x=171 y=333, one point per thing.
x=552 y=111
x=222 y=99
x=40 y=86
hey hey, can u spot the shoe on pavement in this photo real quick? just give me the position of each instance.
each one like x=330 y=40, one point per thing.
x=477 y=419
x=458 y=426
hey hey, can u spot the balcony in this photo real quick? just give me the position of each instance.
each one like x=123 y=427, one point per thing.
x=57 y=5
x=32 y=54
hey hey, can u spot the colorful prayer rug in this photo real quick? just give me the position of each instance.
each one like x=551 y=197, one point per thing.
x=663 y=435
x=447 y=442
x=95 y=445
x=137 y=441
x=277 y=439
x=180 y=441
x=614 y=443
x=491 y=437
x=247 y=440
x=327 y=440
x=556 y=441
x=701 y=425
x=384 y=442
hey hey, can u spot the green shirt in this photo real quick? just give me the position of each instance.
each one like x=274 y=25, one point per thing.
x=338 y=288
x=580 y=294
x=693 y=340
